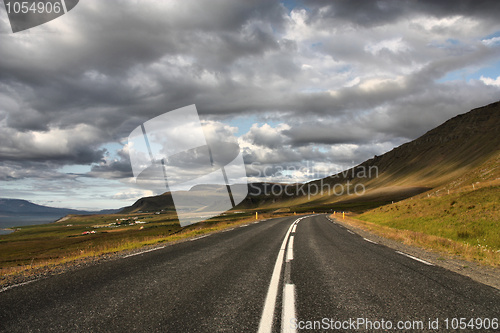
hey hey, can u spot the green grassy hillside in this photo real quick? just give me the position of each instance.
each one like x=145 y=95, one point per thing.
x=466 y=211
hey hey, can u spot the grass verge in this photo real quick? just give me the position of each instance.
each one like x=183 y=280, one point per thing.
x=466 y=224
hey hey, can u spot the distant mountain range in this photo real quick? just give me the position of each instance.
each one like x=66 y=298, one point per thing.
x=464 y=145
x=24 y=207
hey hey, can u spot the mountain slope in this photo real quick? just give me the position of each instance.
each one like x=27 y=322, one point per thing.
x=446 y=153
x=452 y=148
x=24 y=207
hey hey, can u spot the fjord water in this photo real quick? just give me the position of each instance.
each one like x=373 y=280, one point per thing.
x=11 y=221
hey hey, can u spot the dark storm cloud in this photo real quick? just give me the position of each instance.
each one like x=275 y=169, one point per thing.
x=339 y=133
x=373 y=13
x=118 y=169
x=76 y=145
x=18 y=170
x=341 y=74
x=119 y=64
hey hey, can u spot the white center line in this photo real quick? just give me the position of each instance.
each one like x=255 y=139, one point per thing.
x=289 y=252
x=415 y=258
x=294 y=227
x=266 y=321
x=288 y=313
x=368 y=240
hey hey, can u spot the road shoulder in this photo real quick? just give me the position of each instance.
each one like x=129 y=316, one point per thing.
x=476 y=271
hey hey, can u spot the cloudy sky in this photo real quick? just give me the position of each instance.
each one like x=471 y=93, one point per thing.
x=311 y=87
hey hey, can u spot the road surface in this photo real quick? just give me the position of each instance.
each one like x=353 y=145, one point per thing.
x=285 y=274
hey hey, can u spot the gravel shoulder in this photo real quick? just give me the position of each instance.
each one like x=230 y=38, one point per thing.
x=476 y=271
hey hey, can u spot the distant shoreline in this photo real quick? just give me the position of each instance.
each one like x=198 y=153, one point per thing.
x=18 y=220
x=6 y=231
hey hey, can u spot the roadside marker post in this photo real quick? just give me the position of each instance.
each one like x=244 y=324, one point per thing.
x=256 y=215
x=343 y=215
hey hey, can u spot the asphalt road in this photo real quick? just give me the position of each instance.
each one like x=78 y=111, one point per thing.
x=275 y=275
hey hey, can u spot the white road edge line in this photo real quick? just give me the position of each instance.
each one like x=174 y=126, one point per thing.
x=415 y=258
x=196 y=238
x=266 y=320
x=17 y=285
x=349 y=231
x=150 y=250
x=369 y=240
x=288 y=313
x=289 y=251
